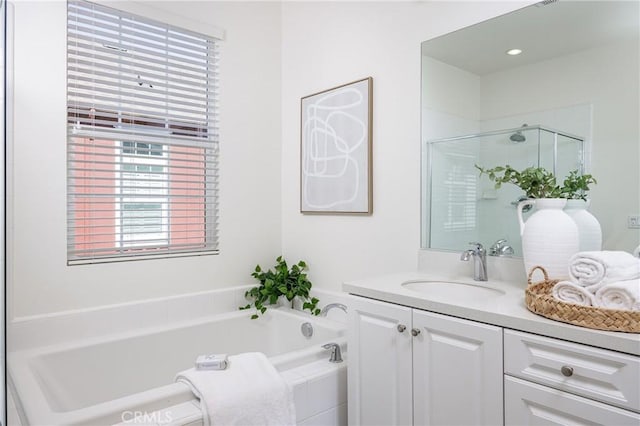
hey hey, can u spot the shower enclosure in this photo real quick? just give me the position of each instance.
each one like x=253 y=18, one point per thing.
x=459 y=206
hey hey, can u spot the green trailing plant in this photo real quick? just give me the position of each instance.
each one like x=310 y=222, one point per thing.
x=576 y=185
x=536 y=182
x=281 y=281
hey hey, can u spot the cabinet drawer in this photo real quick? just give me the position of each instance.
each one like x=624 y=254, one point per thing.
x=600 y=374
x=531 y=404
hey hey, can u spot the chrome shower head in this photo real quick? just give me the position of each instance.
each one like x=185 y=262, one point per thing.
x=518 y=137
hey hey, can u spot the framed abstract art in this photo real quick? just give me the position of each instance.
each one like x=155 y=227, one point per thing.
x=335 y=150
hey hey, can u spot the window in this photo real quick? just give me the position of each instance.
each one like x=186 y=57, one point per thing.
x=144 y=221
x=142 y=142
x=460 y=187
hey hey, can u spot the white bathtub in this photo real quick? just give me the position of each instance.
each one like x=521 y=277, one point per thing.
x=108 y=380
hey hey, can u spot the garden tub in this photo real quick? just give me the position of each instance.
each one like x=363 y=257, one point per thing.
x=129 y=377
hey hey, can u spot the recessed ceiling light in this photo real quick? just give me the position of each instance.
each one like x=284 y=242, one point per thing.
x=514 y=52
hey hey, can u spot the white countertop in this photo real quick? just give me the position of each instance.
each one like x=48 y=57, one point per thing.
x=505 y=310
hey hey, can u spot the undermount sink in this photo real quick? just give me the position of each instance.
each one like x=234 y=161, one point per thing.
x=453 y=290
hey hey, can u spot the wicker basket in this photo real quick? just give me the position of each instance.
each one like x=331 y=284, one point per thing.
x=539 y=300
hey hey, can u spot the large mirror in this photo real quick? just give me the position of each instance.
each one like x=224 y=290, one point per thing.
x=569 y=100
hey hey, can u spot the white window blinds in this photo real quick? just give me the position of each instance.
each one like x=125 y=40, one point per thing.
x=142 y=142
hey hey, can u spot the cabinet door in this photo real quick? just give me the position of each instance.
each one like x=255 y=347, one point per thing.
x=528 y=403
x=379 y=342
x=457 y=371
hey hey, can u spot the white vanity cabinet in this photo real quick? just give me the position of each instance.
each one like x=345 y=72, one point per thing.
x=408 y=366
x=411 y=366
x=553 y=381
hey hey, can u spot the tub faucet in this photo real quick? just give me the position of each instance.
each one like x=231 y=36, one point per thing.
x=330 y=306
x=336 y=354
x=479 y=261
x=500 y=248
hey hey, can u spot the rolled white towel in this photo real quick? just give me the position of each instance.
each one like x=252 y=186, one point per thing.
x=593 y=269
x=570 y=292
x=623 y=295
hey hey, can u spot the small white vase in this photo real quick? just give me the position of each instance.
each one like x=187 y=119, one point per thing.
x=549 y=237
x=589 y=229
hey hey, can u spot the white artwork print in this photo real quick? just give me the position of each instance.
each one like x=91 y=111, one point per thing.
x=335 y=150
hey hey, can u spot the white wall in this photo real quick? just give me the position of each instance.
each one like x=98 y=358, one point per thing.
x=273 y=54
x=450 y=100
x=330 y=43
x=40 y=282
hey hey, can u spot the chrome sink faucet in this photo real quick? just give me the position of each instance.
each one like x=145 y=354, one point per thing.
x=501 y=248
x=479 y=255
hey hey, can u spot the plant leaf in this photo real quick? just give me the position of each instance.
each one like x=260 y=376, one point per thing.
x=281 y=281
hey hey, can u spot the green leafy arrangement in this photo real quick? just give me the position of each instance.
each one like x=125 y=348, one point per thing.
x=282 y=281
x=576 y=186
x=537 y=182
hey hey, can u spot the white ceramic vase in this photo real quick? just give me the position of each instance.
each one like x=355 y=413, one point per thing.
x=589 y=229
x=549 y=237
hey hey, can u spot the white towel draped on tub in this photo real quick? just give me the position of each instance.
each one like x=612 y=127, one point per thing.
x=249 y=392
x=593 y=269
x=621 y=295
x=570 y=292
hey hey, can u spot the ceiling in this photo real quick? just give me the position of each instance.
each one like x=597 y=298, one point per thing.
x=543 y=31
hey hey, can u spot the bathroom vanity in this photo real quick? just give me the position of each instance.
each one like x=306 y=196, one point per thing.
x=429 y=349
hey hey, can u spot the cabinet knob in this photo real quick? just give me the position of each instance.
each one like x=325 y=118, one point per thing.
x=415 y=331
x=401 y=328
x=566 y=371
